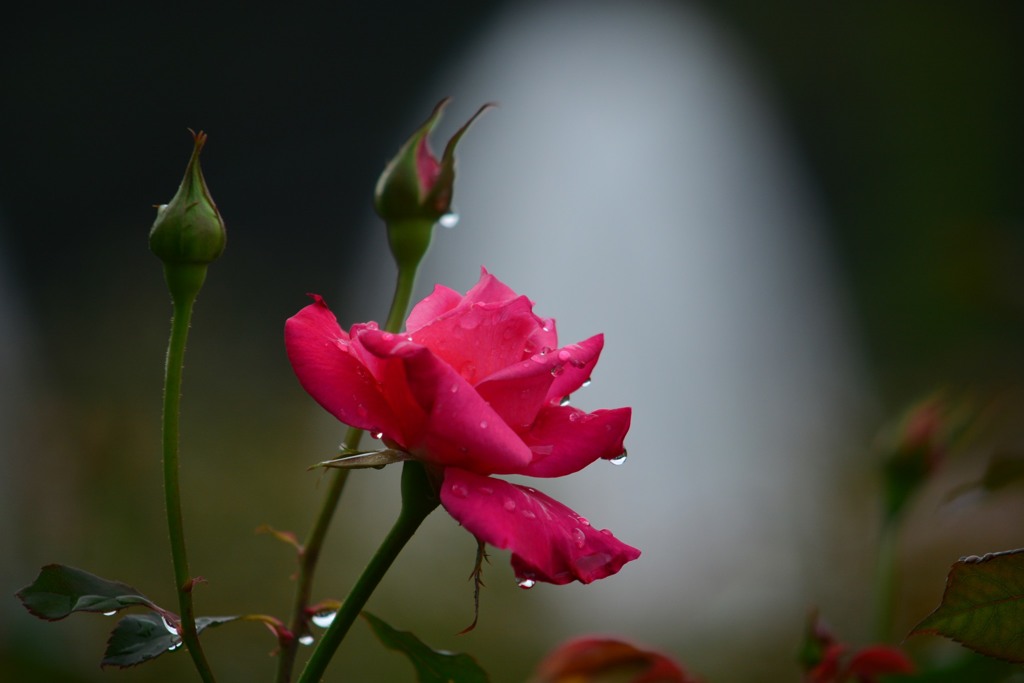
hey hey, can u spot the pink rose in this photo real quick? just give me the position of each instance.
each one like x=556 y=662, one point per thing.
x=472 y=388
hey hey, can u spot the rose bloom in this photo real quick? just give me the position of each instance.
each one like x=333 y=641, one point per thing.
x=473 y=388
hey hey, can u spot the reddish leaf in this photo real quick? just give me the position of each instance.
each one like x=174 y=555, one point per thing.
x=983 y=605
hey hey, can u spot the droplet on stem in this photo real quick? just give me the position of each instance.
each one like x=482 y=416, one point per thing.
x=448 y=220
x=324 y=619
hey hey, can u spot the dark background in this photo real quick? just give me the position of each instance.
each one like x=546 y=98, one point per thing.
x=907 y=115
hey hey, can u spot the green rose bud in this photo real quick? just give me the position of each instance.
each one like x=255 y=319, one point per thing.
x=189 y=229
x=415 y=190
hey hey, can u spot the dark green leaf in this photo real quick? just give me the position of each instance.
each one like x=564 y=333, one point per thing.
x=431 y=666
x=983 y=605
x=140 y=637
x=58 y=591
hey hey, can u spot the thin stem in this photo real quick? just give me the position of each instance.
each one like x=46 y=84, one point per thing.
x=310 y=554
x=308 y=558
x=400 y=302
x=885 y=582
x=185 y=284
x=418 y=501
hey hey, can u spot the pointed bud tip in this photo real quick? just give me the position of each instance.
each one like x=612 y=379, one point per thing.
x=189 y=229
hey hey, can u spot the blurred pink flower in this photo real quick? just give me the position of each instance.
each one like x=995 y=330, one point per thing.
x=596 y=660
x=474 y=387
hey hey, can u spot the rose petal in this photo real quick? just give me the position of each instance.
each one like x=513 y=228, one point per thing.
x=480 y=338
x=436 y=304
x=321 y=355
x=518 y=392
x=590 y=659
x=549 y=542
x=575 y=363
x=565 y=440
x=879 y=660
x=458 y=427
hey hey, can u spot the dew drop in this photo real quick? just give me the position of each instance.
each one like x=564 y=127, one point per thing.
x=324 y=619
x=529 y=514
x=167 y=625
x=579 y=537
x=565 y=401
x=448 y=220
x=564 y=355
x=110 y=613
x=455 y=388
x=584 y=521
x=526 y=584
x=486 y=490
x=174 y=646
x=509 y=504
x=306 y=639
x=459 y=490
x=586 y=382
x=377 y=435
x=619 y=459
x=483 y=424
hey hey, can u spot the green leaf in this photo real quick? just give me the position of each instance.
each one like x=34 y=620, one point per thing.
x=141 y=637
x=432 y=666
x=983 y=605
x=58 y=591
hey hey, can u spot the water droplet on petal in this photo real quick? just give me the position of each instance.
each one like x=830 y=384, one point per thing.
x=586 y=382
x=529 y=514
x=564 y=355
x=564 y=402
x=509 y=504
x=174 y=646
x=324 y=619
x=449 y=220
x=526 y=584
x=584 y=521
x=460 y=490
x=167 y=625
x=306 y=639
x=483 y=424
x=619 y=459
x=110 y=613
x=486 y=490
x=455 y=388
x=377 y=435
x=579 y=537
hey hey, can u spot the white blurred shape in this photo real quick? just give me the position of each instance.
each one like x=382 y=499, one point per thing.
x=633 y=182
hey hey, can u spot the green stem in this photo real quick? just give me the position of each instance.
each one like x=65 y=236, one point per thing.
x=308 y=558
x=418 y=500
x=184 y=281
x=885 y=582
x=310 y=553
x=400 y=302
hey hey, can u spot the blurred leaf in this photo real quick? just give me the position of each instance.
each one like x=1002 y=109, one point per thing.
x=432 y=666
x=58 y=591
x=983 y=605
x=1005 y=468
x=140 y=637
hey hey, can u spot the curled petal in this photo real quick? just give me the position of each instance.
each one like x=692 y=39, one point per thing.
x=572 y=366
x=549 y=542
x=458 y=428
x=564 y=440
x=322 y=356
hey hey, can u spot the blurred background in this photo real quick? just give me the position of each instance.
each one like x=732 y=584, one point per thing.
x=790 y=224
